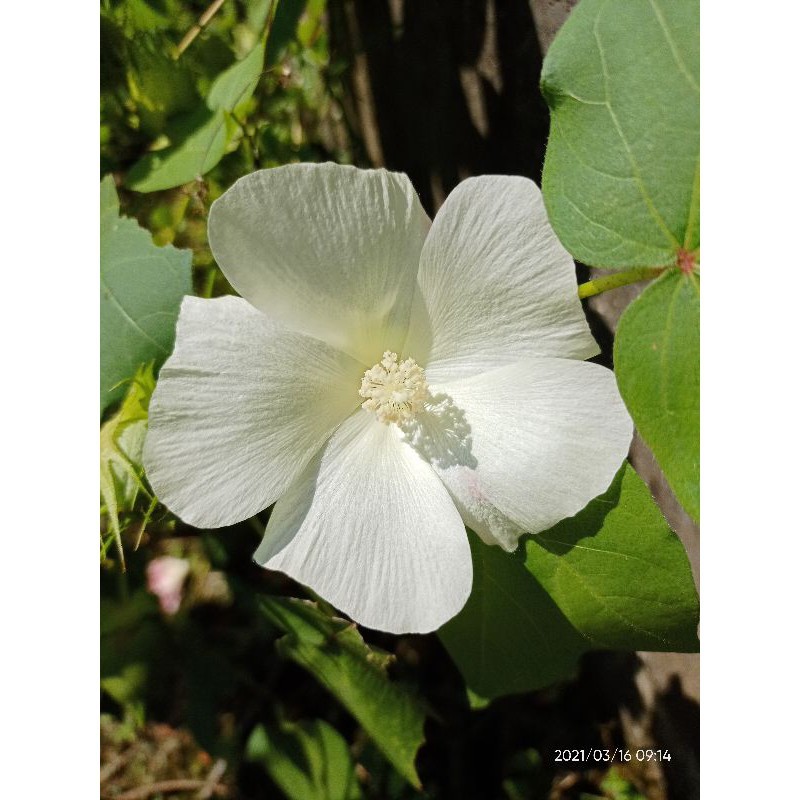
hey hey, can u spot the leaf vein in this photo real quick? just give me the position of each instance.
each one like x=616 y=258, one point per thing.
x=134 y=324
x=673 y=47
x=602 y=600
x=654 y=212
x=604 y=227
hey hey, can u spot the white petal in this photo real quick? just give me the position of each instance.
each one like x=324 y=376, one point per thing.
x=495 y=284
x=240 y=408
x=538 y=441
x=371 y=529
x=325 y=249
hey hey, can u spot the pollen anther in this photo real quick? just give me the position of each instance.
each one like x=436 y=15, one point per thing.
x=395 y=390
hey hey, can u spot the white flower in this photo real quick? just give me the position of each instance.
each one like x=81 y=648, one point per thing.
x=384 y=378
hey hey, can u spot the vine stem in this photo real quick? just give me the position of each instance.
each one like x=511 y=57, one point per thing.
x=608 y=282
x=192 y=33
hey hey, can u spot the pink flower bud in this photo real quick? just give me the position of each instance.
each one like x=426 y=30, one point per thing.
x=165 y=579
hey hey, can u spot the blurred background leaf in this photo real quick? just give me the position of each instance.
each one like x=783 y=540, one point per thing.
x=334 y=652
x=199 y=139
x=308 y=760
x=121 y=443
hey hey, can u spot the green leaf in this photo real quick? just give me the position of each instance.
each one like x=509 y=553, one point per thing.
x=109 y=202
x=199 y=140
x=307 y=760
x=510 y=636
x=657 y=363
x=128 y=686
x=237 y=83
x=121 y=443
x=143 y=16
x=311 y=22
x=616 y=787
x=141 y=288
x=613 y=576
x=622 y=187
x=284 y=27
x=159 y=86
x=334 y=652
x=621 y=175
x=130 y=638
x=618 y=573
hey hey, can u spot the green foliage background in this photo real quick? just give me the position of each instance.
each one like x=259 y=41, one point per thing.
x=298 y=702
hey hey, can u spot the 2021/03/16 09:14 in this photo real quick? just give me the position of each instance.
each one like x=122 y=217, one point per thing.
x=607 y=755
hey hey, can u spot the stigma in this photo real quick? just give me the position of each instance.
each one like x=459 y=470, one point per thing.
x=394 y=390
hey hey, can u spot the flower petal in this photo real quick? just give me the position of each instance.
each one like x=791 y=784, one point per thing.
x=325 y=249
x=240 y=408
x=495 y=284
x=371 y=528
x=541 y=439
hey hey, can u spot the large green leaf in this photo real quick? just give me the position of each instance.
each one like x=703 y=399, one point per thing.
x=199 y=140
x=307 y=760
x=618 y=573
x=510 y=637
x=613 y=576
x=657 y=362
x=334 y=652
x=141 y=288
x=621 y=175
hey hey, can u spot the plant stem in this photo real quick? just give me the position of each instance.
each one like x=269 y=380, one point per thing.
x=608 y=282
x=208 y=283
x=192 y=33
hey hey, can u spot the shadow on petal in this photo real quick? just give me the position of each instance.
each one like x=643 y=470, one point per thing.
x=441 y=434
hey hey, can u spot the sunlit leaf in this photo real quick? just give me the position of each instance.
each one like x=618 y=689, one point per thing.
x=657 y=362
x=618 y=573
x=199 y=139
x=613 y=576
x=237 y=83
x=141 y=288
x=121 y=443
x=622 y=188
x=621 y=175
x=198 y=143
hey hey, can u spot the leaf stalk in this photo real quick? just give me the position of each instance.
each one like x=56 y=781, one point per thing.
x=614 y=281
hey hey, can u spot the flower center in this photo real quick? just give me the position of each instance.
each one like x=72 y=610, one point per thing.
x=394 y=390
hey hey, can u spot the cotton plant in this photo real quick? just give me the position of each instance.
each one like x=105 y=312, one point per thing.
x=385 y=381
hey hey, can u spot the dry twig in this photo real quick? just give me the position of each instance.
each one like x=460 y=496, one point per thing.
x=193 y=32
x=214 y=777
x=180 y=785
